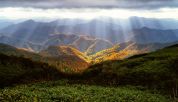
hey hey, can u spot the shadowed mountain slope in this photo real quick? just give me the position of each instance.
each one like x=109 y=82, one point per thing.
x=147 y=35
x=65 y=63
x=22 y=70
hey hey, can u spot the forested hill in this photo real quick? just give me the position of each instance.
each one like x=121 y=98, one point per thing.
x=22 y=70
x=156 y=70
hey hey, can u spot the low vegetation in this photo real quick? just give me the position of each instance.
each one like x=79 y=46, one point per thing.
x=60 y=91
x=156 y=70
x=151 y=77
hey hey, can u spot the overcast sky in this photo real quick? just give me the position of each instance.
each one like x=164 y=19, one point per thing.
x=131 y=4
x=88 y=9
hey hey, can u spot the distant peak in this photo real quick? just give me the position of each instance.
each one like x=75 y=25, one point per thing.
x=146 y=28
x=29 y=21
x=55 y=21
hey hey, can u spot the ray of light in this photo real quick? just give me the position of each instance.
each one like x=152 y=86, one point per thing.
x=119 y=28
x=84 y=13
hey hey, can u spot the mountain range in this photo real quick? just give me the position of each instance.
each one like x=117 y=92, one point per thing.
x=50 y=57
x=76 y=50
x=71 y=61
x=155 y=70
x=114 y=30
x=37 y=36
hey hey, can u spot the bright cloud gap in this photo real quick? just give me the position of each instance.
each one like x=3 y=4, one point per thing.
x=84 y=13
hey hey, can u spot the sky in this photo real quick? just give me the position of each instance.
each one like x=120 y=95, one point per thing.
x=87 y=9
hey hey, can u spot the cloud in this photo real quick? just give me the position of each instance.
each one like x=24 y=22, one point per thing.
x=127 y=4
x=85 y=13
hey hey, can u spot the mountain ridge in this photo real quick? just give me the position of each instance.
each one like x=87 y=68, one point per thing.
x=65 y=63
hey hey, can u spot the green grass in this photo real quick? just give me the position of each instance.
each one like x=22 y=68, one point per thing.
x=156 y=70
x=60 y=91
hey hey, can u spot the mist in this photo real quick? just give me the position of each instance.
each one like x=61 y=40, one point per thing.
x=83 y=13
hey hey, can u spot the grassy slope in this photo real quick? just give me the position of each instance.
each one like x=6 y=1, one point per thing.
x=156 y=70
x=62 y=92
x=22 y=70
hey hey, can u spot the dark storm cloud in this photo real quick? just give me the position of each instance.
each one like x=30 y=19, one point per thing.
x=130 y=4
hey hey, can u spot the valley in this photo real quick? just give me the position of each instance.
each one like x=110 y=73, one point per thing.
x=137 y=78
x=51 y=61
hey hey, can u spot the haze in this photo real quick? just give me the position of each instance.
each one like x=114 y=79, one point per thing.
x=84 y=13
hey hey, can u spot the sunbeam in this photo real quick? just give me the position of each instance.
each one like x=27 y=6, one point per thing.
x=85 y=13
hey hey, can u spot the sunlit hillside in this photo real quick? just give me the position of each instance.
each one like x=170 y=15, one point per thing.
x=74 y=60
x=125 y=50
x=88 y=50
x=71 y=61
x=156 y=70
x=145 y=74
